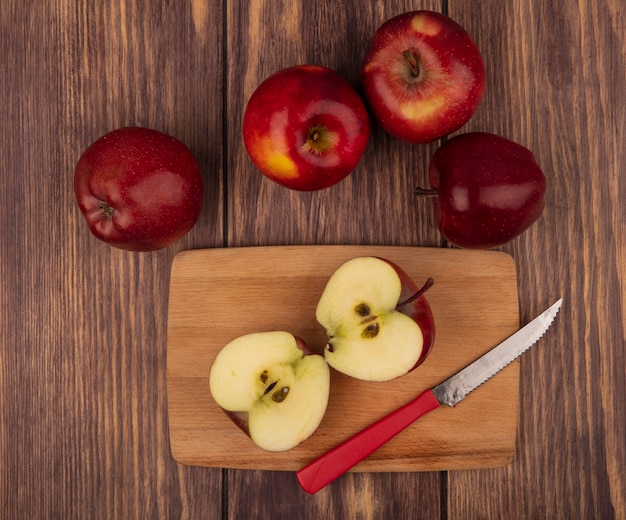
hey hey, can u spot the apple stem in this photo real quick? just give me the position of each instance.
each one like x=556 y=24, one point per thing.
x=426 y=192
x=410 y=58
x=427 y=285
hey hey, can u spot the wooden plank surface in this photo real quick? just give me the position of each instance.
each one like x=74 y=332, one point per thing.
x=217 y=295
x=558 y=86
x=374 y=205
x=83 y=427
x=83 y=340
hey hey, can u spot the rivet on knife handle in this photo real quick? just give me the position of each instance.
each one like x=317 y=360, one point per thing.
x=338 y=460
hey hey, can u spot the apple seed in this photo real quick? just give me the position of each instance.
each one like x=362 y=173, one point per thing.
x=264 y=376
x=371 y=331
x=363 y=309
x=279 y=395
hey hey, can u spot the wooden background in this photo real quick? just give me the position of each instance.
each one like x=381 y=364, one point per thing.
x=83 y=405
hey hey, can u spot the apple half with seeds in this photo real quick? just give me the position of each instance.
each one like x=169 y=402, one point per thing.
x=378 y=322
x=272 y=386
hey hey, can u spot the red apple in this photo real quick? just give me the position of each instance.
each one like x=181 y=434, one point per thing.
x=488 y=189
x=306 y=127
x=378 y=322
x=272 y=386
x=138 y=189
x=423 y=76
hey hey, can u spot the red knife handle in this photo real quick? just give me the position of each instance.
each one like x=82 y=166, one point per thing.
x=334 y=463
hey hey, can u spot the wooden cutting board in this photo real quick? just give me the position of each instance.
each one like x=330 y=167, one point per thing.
x=219 y=294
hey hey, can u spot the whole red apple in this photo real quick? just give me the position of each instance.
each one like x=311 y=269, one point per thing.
x=423 y=76
x=489 y=189
x=306 y=127
x=139 y=189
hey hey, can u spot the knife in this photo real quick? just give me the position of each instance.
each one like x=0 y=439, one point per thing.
x=334 y=463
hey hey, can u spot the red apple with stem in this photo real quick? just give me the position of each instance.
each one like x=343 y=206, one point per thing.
x=139 y=189
x=423 y=76
x=306 y=127
x=487 y=189
x=378 y=322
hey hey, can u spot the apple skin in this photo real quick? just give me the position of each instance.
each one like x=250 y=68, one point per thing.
x=139 y=189
x=435 y=95
x=418 y=310
x=306 y=127
x=489 y=189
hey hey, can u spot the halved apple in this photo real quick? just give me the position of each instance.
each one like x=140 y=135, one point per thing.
x=272 y=386
x=378 y=323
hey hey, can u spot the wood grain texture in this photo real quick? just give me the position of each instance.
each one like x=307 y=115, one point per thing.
x=263 y=494
x=83 y=430
x=556 y=77
x=207 y=309
x=374 y=205
x=83 y=410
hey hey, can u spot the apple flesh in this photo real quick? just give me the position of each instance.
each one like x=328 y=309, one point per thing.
x=306 y=127
x=138 y=189
x=487 y=189
x=423 y=76
x=271 y=386
x=379 y=324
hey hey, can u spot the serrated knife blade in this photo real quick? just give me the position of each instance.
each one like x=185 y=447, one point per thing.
x=334 y=463
x=455 y=388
